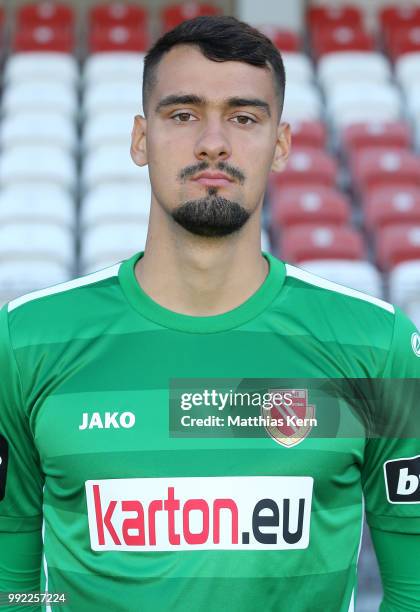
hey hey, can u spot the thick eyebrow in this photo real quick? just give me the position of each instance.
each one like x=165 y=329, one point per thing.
x=234 y=102
x=180 y=99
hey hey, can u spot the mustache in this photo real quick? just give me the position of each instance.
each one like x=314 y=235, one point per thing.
x=222 y=166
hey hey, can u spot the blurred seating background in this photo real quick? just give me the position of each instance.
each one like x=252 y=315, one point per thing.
x=347 y=207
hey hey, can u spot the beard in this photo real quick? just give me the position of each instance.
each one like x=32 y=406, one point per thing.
x=212 y=216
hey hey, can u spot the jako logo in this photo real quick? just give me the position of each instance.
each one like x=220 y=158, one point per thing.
x=415 y=343
x=402 y=480
x=108 y=420
x=225 y=513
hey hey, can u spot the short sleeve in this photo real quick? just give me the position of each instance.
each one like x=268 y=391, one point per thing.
x=391 y=468
x=21 y=478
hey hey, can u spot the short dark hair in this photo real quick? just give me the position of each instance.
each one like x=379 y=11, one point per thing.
x=219 y=38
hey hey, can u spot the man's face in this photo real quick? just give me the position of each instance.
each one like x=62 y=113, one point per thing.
x=211 y=137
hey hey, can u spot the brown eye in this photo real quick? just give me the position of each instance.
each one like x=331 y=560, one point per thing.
x=182 y=117
x=244 y=120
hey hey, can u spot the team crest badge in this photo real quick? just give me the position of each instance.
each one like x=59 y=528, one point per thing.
x=295 y=417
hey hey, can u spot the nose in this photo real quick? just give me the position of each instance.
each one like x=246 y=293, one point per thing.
x=212 y=143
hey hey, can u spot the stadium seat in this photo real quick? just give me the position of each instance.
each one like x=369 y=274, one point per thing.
x=404 y=288
x=108 y=244
x=117 y=203
x=44 y=65
x=41 y=128
x=407 y=69
x=391 y=205
x=302 y=103
x=111 y=164
x=105 y=15
x=38 y=240
x=113 y=96
x=40 y=95
x=41 y=203
x=332 y=16
x=107 y=128
x=298 y=68
x=38 y=164
x=378 y=167
x=45 y=12
x=118 y=38
x=358 y=101
x=359 y=275
x=397 y=243
x=43 y=38
x=308 y=242
x=22 y=275
x=175 y=14
x=113 y=66
x=335 y=68
x=312 y=204
x=357 y=136
x=396 y=17
x=403 y=40
x=308 y=166
x=287 y=41
x=309 y=134
x=338 y=39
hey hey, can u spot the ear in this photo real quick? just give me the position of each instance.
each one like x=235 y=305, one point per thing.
x=138 y=148
x=282 y=150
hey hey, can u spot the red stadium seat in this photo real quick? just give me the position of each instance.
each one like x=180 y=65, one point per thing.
x=177 y=13
x=118 y=38
x=297 y=205
x=47 y=13
x=118 y=14
x=331 y=16
x=306 y=242
x=403 y=40
x=309 y=134
x=394 y=17
x=308 y=165
x=357 y=136
x=397 y=243
x=377 y=167
x=43 y=38
x=285 y=40
x=391 y=205
x=343 y=38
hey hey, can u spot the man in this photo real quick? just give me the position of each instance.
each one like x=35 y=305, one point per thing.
x=138 y=505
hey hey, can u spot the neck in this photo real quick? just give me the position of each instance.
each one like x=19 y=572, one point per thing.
x=200 y=276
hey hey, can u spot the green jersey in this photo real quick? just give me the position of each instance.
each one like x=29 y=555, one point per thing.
x=136 y=516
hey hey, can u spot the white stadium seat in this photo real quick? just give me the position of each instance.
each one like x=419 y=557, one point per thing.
x=339 y=67
x=404 y=288
x=38 y=163
x=123 y=95
x=359 y=275
x=298 y=68
x=361 y=101
x=108 y=128
x=111 y=164
x=38 y=128
x=28 y=66
x=40 y=95
x=115 y=203
x=40 y=240
x=20 y=276
x=302 y=103
x=41 y=203
x=407 y=69
x=108 y=244
x=113 y=66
